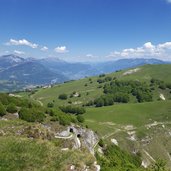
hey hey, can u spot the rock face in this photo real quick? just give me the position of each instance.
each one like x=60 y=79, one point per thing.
x=87 y=137
x=82 y=137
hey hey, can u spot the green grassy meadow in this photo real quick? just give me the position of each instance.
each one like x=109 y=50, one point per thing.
x=131 y=114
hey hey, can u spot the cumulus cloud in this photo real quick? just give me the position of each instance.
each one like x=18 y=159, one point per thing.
x=166 y=45
x=61 y=49
x=19 y=52
x=148 y=50
x=44 y=48
x=22 y=42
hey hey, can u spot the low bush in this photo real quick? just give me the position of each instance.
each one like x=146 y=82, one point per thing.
x=2 y=110
x=11 y=108
x=50 y=105
x=80 y=118
x=63 y=96
x=31 y=115
x=72 y=109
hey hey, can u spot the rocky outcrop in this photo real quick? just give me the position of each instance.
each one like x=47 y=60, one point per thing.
x=87 y=137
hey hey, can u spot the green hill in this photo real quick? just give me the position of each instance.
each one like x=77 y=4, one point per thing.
x=90 y=89
x=136 y=127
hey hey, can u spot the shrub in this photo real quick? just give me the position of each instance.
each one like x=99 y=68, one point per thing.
x=71 y=96
x=70 y=102
x=121 y=98
x=11 y=108
x=102 y=75
x=30 y=105
x=50 y=105
x=99 y=102
x=168 y=85
x=101 y=143
x=2 y=110
x=162 y=86
x=100 y=80
x=31 y=115
x=90 y=103
x=63 y=96
x=100 y=86
x=144 y=96
x=64 y=120
x=50 y=112
x=80 y=118
x=72 y=109
x=108 y=79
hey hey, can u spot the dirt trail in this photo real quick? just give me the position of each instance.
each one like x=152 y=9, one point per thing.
x=149 y=156
x=61 y=137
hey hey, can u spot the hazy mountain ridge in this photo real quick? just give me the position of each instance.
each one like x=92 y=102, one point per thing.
x=10 y=60
x=30 y=71
x=120 y=64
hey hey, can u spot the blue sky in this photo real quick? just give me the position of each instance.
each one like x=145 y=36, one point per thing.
x=86 y=30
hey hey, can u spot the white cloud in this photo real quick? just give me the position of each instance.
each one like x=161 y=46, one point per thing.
x=19 y=52
x=44 y=48
x=148 y=50
x=89 y=55
x=61 y=49
x=149 y=45
x=22 y=42
x=166 y=45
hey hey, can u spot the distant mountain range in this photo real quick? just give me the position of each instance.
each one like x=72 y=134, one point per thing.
x=18 y=73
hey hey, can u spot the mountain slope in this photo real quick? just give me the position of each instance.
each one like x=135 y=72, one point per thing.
x=17 y=73
x=121 y=64
x=90 y=89
x=7 y=61
x=141 y=128
x=70 y=70
x=28 y=71
x=136 y=127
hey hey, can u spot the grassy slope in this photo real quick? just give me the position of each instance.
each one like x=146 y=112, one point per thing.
x=46 y=95
x=25 y=154
x=135 y=114
x=145 y=73
x=129 y=114
x=18 y=152
x=110 y=121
